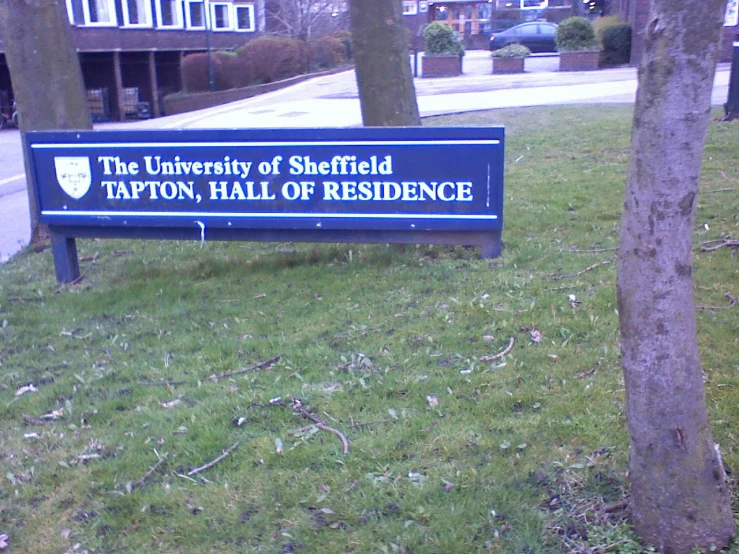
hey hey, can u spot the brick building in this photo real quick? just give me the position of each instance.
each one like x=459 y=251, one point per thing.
x=131 y=50
x=636 y=12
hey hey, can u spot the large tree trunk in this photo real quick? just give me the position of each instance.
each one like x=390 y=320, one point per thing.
x=381 y=56
x=679 y=495
x=45 y=71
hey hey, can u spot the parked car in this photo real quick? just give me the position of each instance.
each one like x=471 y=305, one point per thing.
x=537 y=36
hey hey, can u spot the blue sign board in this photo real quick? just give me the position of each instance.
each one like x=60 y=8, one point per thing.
x=367 y=179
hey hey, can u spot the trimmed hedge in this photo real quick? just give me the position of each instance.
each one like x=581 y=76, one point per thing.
x=264 y=60
x=574 y=34
x=441 y=40
x=616 y=45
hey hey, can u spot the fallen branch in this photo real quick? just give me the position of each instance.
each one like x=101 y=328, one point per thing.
x=255 y=367
x=79 y=277
x=499 y=355
x=593 y=250
x=723 y=243
x=297 y=407
x=619 y=506
x=732 y=303
x=34 y=420
x=717 y=190
x=152 y=471
x=214 y=462
x=162 y=383
x=554 y=277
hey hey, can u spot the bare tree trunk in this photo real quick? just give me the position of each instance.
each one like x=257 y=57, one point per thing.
x=680 y=497
x=45 y=71
x=381 y=55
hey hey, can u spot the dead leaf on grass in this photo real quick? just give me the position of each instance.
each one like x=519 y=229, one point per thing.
x=171 y=403
x=536 y=335
x=432 y=401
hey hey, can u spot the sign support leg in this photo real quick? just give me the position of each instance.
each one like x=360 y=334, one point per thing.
x=490 y=246
x=64 y=251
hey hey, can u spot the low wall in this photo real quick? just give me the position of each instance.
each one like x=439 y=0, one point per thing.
x=189 y=102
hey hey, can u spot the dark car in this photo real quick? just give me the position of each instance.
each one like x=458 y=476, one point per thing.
x=537 y=36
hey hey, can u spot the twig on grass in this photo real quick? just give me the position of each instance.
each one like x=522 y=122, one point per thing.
x=555 y=277
x=499 y=355
x=619 y=506
x=717 y=190
x=732 y=303
x=152 y=470
x=593 y=250
x=722 y=243
x=34 y=420
x=297 y=407
x=255 y=367
x=79 y=277
x=214 y=462
x=162 y=383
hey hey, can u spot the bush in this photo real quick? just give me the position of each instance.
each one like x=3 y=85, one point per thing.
x=346 y=39
x=616 y=45
x=274 y=58
x=575 y=33
x=511 y=51
x=442 y=40
x=602 y=23
x=327 y=52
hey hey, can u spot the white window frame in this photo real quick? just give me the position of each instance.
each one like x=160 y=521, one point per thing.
x=410 y=7
x=229 y=13
x=147 y=13
x=70 y=12
x=188 y=21
x=252 y=18
x=111 y=10
x=179 y=21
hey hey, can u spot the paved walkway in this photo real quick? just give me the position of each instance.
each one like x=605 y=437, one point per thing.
x=332 y=101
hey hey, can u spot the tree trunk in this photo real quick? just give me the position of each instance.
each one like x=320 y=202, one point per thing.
x=381 y=56
x=679 y=495
x=45 y=72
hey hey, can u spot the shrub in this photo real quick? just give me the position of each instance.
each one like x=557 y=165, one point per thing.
x=275 y=58
x=195 y=72
x=602 y=23
x=575 y=33
x=346 y=39
x=327 y=52
x=616 y=45
x=442 y=40
x=511 y=51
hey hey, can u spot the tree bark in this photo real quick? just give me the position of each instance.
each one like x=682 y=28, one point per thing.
x=381 y=56
x=679 y=495
x=45 y=72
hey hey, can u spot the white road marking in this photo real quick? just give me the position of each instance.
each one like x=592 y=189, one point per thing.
x=11 y=179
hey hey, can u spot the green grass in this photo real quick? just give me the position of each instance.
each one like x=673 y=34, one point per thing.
x=519 y=456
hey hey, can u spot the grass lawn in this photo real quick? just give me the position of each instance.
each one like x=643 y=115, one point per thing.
x=450 y=452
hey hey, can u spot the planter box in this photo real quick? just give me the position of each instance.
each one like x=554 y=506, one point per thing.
x=441 y=66
x=508 y=65
x=586 y=60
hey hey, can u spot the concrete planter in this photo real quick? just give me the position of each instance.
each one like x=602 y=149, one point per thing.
x=502 y=66
x=585 y=60
x=441 y=66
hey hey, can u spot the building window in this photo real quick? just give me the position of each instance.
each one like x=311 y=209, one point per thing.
x=244 y=17
x=75 y=12
x=410 y=7
x=220 y=17
x=99 y=12
x=423 y=6
x=195 y=14
x=522 y=4
x=169 y=13
x=136 y=13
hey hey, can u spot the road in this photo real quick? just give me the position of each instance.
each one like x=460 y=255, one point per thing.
x=331 y=101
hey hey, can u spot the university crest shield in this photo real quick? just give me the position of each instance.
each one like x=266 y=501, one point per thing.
x=74 y=175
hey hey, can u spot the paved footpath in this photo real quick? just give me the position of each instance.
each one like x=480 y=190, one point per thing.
x=332 y=101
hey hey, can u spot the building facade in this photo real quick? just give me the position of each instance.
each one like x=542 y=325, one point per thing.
x=131 y=50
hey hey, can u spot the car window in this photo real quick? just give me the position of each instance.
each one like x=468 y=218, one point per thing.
x=527 y=30
x=548 y=30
